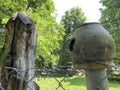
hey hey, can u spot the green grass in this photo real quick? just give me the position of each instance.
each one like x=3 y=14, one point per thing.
x=114 y=85
x=71 y=83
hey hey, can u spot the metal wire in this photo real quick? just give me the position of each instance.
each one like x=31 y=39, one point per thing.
x=67 y=73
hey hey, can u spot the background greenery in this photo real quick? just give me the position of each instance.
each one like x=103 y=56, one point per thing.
x=110 y=19
x=72 y=19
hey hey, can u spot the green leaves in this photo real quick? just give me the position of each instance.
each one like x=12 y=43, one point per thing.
x=72 y=19
x=111 y=21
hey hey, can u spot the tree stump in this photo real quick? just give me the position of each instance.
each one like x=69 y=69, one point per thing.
x=19 y=54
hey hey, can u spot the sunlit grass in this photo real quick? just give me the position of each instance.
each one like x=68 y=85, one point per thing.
x=114 y=85
x=71 y=83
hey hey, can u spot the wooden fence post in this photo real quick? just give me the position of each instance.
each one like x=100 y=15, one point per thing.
x=19 y=54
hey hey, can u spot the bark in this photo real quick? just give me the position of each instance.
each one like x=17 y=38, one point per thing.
x=19 y=53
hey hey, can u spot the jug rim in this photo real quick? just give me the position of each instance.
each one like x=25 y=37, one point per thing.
x=88 y=23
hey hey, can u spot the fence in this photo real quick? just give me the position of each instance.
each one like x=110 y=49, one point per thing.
x=66 y=72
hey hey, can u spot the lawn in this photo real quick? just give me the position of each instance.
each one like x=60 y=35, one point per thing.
x=71 y=83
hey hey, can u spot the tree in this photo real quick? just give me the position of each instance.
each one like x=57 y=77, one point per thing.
x=110 y=19
x=72 y=19
x=2 y=36
x=49 y=32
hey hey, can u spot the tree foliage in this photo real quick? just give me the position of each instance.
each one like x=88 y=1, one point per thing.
x=49 y=32
x=72 y=19
x=110 y=19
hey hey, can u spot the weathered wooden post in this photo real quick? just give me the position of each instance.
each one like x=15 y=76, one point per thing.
x=19 y=53
x=92 y=49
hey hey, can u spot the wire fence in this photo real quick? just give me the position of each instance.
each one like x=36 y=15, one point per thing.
x=66 y=71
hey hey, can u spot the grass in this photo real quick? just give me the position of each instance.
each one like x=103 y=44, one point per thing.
x=71 y=83
x=114 y=85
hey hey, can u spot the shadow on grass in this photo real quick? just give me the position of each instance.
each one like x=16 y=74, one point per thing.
x=78 y=81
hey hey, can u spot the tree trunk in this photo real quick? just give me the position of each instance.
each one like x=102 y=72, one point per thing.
x=19 y=53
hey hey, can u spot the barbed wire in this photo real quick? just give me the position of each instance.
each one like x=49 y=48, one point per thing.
x=67 y=71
